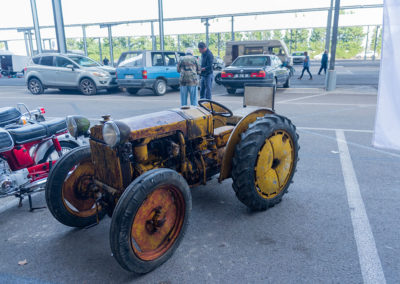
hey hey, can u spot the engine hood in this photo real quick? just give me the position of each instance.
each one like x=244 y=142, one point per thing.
x=192 y=122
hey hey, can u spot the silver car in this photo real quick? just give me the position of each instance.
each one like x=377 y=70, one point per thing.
x=68 y=71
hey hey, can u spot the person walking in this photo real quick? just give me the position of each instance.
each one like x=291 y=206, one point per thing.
x=324 y=62
x=207 y=59
x=189 y=69
x=105 y=61
x=306 y=66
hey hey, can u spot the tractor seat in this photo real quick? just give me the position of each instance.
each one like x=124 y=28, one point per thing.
x=38 y=131
x=222 y=134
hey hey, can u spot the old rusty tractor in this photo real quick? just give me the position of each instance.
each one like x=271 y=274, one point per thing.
x=139 y=171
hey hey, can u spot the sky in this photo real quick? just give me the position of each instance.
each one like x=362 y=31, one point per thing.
x=18 y=13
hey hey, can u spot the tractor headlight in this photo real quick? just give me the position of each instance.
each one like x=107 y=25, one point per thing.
x=115 y=132
x=77 y=125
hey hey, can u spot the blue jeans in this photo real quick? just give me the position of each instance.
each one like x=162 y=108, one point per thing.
x=205 y=86
x=193 y=95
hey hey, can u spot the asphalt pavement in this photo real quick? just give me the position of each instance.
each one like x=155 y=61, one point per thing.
x=338 y=223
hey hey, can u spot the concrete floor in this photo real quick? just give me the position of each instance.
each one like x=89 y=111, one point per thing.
x=320 y=233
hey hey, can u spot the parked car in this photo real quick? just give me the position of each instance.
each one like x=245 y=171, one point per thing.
x=249 y=69
x=218 y=63
x=298 y=57
x=68 y=71
x=368 y=55
x=254 y=47
x=154 y=70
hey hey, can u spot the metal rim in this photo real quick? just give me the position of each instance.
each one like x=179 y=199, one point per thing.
x=274 y=164
x=87 y=86
x=158 y=222
x=54 y=155
x=34 y=86
x=76 y=194
x=161 y=87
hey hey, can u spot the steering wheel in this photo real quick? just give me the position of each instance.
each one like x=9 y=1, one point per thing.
x=225 y=113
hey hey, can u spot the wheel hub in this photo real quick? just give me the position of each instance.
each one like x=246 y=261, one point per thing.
x=156 y=222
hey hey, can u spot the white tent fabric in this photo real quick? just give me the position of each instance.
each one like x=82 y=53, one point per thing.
x=387 y=123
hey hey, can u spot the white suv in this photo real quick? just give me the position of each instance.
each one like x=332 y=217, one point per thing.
x=68 y=71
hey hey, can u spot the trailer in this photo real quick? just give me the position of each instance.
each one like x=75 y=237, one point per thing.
x=11 y=64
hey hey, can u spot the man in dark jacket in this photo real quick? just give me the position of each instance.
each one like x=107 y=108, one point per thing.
x=207 y=59
x=324 y=62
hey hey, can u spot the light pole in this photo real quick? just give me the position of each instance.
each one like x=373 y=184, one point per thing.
x=36 y=26
x=330 y=83
x=84 y=40
x=328 y=27
x=161 y=23
x=59 y=26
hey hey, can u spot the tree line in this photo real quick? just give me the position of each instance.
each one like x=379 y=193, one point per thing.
x=351 y=41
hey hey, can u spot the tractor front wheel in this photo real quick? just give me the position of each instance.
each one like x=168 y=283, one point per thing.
x=150 y=220
x=68 y=190
x=265 y=161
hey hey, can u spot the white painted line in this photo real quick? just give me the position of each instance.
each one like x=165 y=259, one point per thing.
x=335 y=129
x=331 y=104
x=301 y=98
x=371 y=268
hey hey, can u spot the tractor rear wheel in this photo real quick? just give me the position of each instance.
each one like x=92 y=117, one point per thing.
x=265 y=161
x=150 y=220
x=68 y=194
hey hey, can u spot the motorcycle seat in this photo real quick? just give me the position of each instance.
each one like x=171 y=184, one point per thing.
x=37 y=131
x=9 y=115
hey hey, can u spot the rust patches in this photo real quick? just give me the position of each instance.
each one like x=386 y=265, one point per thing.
x=78 y=198
x=157 y=223
x=107 y=165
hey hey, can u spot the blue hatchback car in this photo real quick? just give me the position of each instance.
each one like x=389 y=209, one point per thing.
x=154 y=70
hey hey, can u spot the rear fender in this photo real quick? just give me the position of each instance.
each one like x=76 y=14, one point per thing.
x=234 y=139
x=41 y=149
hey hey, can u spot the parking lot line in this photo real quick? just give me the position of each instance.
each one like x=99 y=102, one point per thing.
x=302 y=98
x=335 y=129
x=370 y=263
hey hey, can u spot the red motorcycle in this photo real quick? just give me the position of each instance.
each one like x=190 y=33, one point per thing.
x=29 y=146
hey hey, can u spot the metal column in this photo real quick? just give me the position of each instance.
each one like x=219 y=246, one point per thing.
x=161 y=23
x=366 y=45
x=84 y=40
x=291 y=39
x=110 y=41
x=153 y=38
x=26 y=43
x=6 y=45
x=59 y=26
x=219 y=43
x=376 y=42
x=129 y=43
x=232 y=30
x=36 y=26
x=179 y=43
x=100 y=53
x=30 y=42
x=330 y=83
x=328 y=27
x=207 y=32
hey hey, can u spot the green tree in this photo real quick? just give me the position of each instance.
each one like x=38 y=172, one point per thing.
x=277 y=34
x=350 y=40
x=317 y=41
